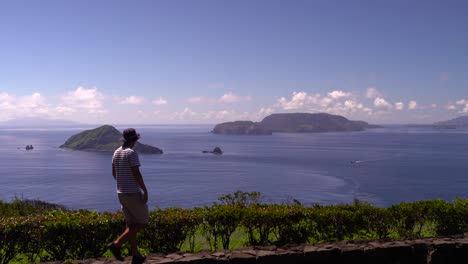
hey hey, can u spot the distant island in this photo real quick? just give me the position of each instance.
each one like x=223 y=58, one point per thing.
x=104 y=138
x=37 y=122
x=292 y=123
x=459 y=122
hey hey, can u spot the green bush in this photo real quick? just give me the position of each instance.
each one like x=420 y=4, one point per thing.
x=291 y=224
x=79 y=235
x=168 y=229
x=20 y=207
x=411 y=219
x=219 y=222
x=29 y=232
x=339 y=222
x=259 y=223
x=19 y=235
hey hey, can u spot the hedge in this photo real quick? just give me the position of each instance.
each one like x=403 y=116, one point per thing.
x=30 y=235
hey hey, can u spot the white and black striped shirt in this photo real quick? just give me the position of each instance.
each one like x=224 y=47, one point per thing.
x=123 y=160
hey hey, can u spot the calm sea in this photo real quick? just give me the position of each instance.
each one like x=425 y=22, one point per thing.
x=389 y=165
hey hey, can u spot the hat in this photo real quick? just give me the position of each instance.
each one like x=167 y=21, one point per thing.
x=130 y=135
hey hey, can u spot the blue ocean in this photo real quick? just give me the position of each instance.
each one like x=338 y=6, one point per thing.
x=382 y=166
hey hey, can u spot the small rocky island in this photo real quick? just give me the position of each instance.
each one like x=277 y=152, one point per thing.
x=216 y=150
x=292 y=123
x=104 y=138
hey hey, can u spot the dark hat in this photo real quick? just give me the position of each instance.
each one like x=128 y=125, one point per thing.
x=130 y=135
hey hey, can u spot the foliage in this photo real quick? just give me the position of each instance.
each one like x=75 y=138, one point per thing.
x=79 y=235
x=18 y=235
x=30 y=232
x=242 y=199
x=219 y=222
x=410 y=218
x=19 y=207
x=168 y=229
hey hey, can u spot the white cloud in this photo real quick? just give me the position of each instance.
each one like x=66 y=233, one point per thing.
x=373 y=93
x=451 y=107
x=187 y=113
x=412 y=105
x=4 y=97
x=232 y=98
x=266 y=111
x=64 y=110
x=465 y=110
x=24 y=106
x=382 y=103
x=434 y=105
x=160 y=101
x=6 y=102
x=334 y=102
x=399 y=106
x=353 y=105
x=218 y=115
x=338 y=94
x=461 y=102
x=132 y=100
x=299 y=100
x=33 y=101
x=87 y=99
x=325 y=101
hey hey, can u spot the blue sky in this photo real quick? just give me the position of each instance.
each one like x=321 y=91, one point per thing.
x=212 y=61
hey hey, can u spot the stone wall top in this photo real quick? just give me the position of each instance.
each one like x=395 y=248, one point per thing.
x=424 y=251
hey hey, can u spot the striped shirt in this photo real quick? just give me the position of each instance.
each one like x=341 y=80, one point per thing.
x=123 y=160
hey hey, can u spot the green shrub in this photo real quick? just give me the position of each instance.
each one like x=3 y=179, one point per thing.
x=241 y=198
x=338 y=222
x=219 y=222
x=169 y=228
x=19 y=207
x=411 y=219
x=291 y=224
x=19 y=235
x=79 y=235
x=259 y=223
x=378 y=222
x=31 y=232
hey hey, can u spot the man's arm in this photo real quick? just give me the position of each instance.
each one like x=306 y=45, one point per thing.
x=113 y=171
x=136 y=173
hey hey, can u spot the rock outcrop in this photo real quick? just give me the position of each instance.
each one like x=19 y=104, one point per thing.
x=216 y=151
x=292 y=123
x=104 y=138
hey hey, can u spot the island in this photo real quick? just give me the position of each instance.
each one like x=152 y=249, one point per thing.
x=104 y=138
x=292 y=123
x=216 y=150
x=459 y=122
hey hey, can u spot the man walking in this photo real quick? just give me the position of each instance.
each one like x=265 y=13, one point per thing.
x=132 y=193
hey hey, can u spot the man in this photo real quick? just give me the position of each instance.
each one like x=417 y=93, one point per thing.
x=132 y=193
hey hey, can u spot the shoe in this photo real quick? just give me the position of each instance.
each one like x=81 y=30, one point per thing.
x=115 y=250
x=138 y=259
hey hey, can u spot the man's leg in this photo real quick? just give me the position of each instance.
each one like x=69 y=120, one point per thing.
x=132 y=238
x=124 y=236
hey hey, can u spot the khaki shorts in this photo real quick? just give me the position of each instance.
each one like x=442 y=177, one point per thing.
x=135 y=210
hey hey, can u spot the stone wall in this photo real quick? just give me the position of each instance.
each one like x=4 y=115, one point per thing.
x=420 y=251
